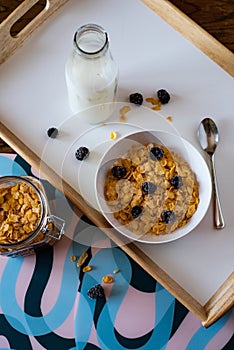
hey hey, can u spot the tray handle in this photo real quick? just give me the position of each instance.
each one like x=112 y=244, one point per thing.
x=10 y=43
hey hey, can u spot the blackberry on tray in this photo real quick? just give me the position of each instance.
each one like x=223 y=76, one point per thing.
x=82 y=153
x=163 y=96
x=136 y=98
x=52 y=132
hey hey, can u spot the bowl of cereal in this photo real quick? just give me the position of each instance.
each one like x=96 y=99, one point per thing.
x=153 y=186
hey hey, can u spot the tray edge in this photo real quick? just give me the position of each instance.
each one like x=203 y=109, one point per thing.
x=9 y=43
x=194 y=33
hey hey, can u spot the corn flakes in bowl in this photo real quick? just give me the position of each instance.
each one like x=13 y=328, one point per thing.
x=153 y=186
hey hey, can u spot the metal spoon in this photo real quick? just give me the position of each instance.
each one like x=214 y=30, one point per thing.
x=208 y=136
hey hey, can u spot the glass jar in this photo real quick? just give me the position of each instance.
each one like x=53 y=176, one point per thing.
x=91 y=74
x=26 y=224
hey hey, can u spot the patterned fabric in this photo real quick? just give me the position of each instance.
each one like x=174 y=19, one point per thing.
x=44 y=302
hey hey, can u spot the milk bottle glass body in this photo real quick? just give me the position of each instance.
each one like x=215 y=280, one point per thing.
x=91 y=74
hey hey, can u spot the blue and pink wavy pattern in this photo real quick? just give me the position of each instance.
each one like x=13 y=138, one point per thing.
x=44 y=302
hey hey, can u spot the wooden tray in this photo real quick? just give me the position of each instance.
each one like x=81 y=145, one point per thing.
x=26 y=137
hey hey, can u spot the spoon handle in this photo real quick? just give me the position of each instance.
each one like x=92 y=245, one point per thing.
x=218 y=216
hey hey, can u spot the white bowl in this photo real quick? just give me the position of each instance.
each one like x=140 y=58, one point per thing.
x=174 y=143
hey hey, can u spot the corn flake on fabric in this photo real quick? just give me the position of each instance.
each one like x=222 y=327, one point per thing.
x=44 y=302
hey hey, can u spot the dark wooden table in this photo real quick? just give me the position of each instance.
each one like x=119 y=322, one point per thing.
x=215 y=16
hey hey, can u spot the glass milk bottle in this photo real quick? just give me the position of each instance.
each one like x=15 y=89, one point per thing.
x=91 y=74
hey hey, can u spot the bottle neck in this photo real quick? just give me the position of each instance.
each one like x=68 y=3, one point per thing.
x=91 y=41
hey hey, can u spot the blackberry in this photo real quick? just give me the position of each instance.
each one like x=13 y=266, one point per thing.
x=119 y=171
x=82 y=153
x=163 y=96
x=136 y=211
x=96 y=292
x=52 y=132
x=176 y=181
x=156 y=153
x=168 y=216
x=136 y=98
x=148 y=187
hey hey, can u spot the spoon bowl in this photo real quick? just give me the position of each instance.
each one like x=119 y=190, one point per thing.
x=208 y=135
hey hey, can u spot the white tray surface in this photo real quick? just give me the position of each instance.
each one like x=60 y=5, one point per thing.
x=151 y=55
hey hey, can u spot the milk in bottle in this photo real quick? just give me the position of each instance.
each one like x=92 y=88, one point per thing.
x=91 y=74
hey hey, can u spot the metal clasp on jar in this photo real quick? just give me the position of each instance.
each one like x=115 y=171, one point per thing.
x=54 y=227
x=53 y=231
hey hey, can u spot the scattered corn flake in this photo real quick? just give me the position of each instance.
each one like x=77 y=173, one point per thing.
x=116 y=271
x=107 y=279
x=153 y=101
x=82 y=259
x=73 y=258
x=169 y=118
x=122 y=119
x=124 y=110
x=113 y=135
x=157 y=107
x=87 y=268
